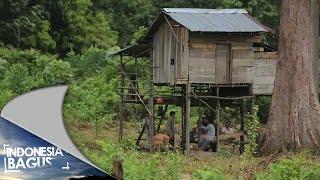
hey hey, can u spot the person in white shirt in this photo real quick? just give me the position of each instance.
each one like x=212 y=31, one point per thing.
x=209 y=136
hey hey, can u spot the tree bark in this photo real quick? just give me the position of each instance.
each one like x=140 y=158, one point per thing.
x=294 y=118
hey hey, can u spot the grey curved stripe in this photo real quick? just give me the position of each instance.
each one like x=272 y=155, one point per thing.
x=40 y=112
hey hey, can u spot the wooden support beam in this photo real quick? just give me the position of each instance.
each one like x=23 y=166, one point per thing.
x=175 y=35
x=183 y=109
x=121 y=104
x=137 y=93
x=217 y=119
x=221 y=98
x=241 y=149
x=252 y=104
x=187 y=118
x=151 y=111
x=141 y=133
x=138 y=55
x=204 y=102
x=150 y=131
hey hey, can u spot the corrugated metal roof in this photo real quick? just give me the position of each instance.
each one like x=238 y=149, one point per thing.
x=215 y=20
x=207 y=11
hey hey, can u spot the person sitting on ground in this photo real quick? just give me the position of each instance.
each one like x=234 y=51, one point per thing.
x=209 y=136
x=197 y=132
x=170 y=127
x=226 y=129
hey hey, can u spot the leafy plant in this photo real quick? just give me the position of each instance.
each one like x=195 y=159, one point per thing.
x=297 y=168
x=138 y=165
x=208 y=174
x=252 y=127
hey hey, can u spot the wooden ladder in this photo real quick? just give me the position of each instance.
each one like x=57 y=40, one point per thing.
x=161 y=118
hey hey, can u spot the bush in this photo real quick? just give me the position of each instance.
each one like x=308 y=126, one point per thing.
x=264 y=106
x=138 y=165
x=208 y=174
x=252 y=125
x=297 y=168
x=58 y=72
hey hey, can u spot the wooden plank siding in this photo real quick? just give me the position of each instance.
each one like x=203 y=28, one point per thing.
x=156 y=56
x=165 y=49
x=197 y=37
x=192 y=57
x=184 y=51
x=242 y=62
x=223 y=63
x=264 y=72
x=202 y=63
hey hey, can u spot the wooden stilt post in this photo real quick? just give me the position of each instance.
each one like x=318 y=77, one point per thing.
x=151 y=116
x=121 y=104
x=241 y=149
x=136 y=77
x=187 y=118
x=141 y=133
x=182 y=143
x=252 y=104
x=150 y=129
x=217 y=119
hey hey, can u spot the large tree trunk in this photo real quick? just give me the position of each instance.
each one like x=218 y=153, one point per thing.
x=294 y=119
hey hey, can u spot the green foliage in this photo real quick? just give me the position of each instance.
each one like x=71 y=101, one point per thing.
x=17 y=77
x=224 y=153
x=268 y=12
x=58 y=72
x=25 y=24
x=208 y=174
x=138 y=34
x=298 y=168
x=201 y=3
x=264 y=106
x=61 y=26
x=5 y=96
x=92 y=98
x=26 y=70
x=21 y=71
x=3 y=66
x=127 y=16
x=88 y=63
x=230 y=115
x=55 y=26
x=86 y=27
x=138 y=165
x=252 y=127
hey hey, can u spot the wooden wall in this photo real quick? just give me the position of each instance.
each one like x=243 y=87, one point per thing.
x=247 y=65
x=201 y=62
x=264 y=72
x=202 y=58
x=170 y=54
x=194 y=59
x=242 y=62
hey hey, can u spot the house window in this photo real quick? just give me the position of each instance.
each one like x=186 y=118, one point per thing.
x=172 y=61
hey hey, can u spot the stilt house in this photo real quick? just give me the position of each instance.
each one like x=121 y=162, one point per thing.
x=208 y=53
